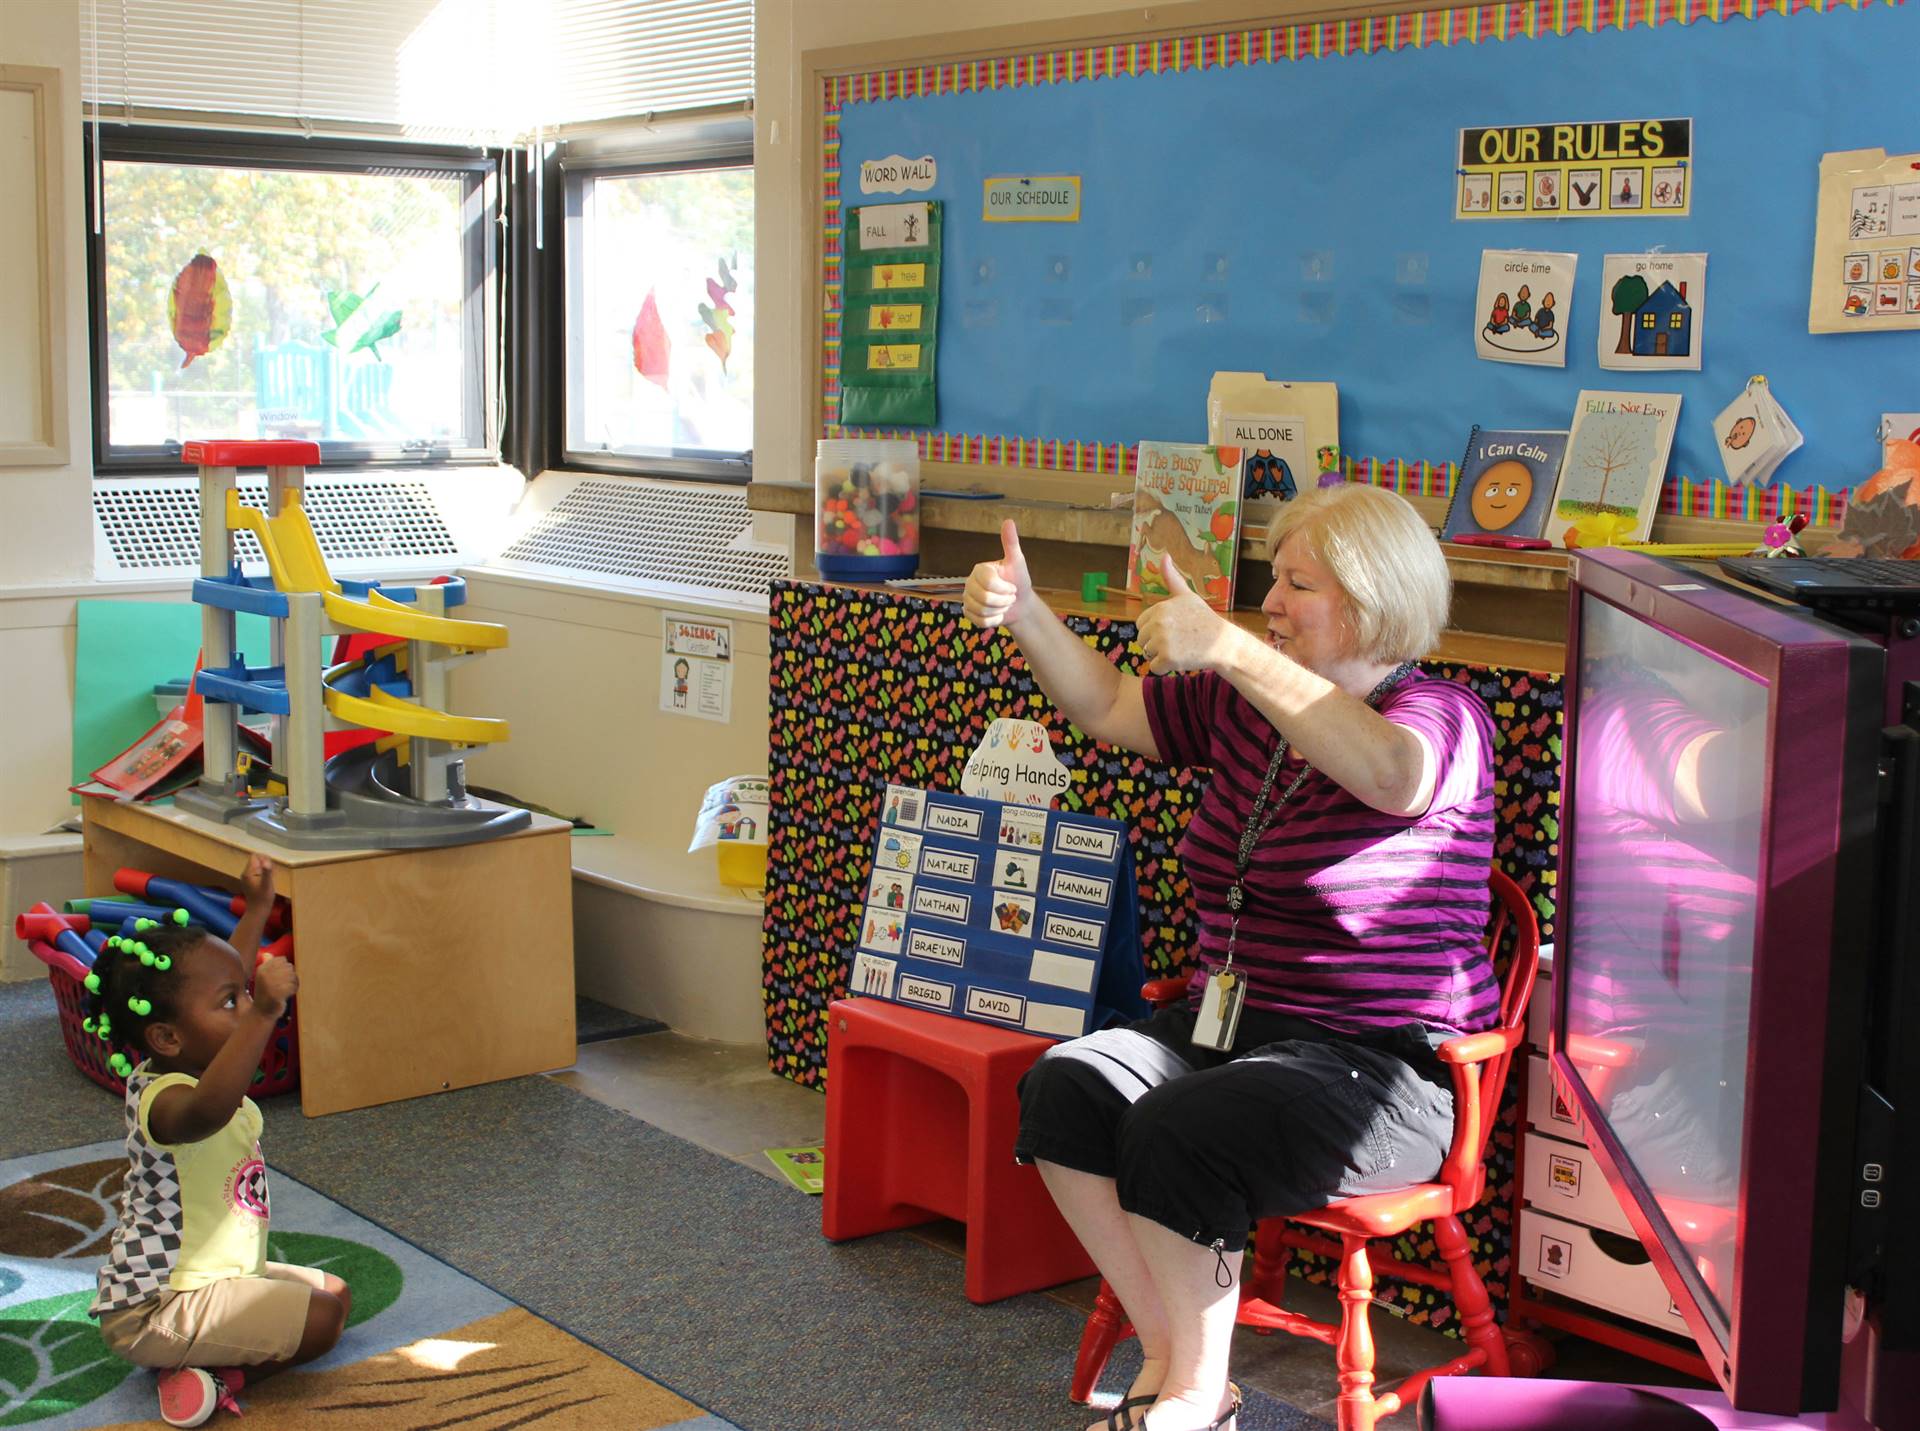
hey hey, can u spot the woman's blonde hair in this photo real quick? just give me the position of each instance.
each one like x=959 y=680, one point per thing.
x=1386 y=560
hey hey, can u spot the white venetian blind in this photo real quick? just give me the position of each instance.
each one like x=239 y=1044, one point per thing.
x=482 y=70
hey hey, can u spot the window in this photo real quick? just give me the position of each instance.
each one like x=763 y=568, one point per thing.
x=660 y=308
x=251 y=287
x=1676 y=320
x=1646 y=320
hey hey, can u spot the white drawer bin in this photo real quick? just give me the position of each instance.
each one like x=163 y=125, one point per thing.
x=1564 y=1179
x=1545 y=1111
x=1540 y=1011
x=1576 y=1262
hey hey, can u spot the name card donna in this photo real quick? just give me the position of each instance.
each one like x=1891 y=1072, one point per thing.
x=1086 y=842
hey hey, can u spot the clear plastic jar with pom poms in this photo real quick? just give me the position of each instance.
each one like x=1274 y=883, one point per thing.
x=866 y=508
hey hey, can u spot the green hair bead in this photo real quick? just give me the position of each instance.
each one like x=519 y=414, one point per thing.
x=141 y=926
x=87 y=1023
x=139 y=1007
x=92 y=981
x=114 y=941
x=121 y=1065
x=162 y=962
x=180 y=918
x=147 y=956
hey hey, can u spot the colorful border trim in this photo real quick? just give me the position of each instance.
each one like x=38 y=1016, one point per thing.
x=1681 y=496
x=1315 y=40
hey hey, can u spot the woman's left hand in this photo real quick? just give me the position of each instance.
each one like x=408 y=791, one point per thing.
x=1183 y=633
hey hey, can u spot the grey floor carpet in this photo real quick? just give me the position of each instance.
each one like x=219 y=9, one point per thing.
x=688 y=1267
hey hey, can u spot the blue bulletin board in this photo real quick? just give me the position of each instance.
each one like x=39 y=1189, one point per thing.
x=1295 y=216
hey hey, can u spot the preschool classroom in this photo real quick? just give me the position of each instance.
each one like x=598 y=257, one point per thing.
x=654 y=868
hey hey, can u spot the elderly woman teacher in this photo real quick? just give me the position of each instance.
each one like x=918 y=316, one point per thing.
x=1338 y=863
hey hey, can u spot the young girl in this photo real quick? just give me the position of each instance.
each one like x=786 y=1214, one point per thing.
x=187 y=1288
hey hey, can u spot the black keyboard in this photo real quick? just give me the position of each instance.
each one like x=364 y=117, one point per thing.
x=1832 y=581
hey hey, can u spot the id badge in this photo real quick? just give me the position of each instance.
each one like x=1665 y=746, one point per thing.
x=1219 y=1016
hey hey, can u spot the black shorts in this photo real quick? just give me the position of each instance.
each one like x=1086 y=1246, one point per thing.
x=1206 y=1143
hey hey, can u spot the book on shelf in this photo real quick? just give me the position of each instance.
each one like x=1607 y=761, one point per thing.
x=1506 y=481
x=1617 y=450
x=1186 y=507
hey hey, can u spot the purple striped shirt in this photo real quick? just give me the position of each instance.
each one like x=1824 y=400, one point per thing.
x=1356 y=919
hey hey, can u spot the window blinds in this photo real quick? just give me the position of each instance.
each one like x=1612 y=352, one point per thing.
x=487 y=71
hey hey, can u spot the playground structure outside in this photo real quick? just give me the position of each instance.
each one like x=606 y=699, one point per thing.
x=407 y=789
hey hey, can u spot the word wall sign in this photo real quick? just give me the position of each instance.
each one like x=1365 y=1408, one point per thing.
x=1624 y=168
x=1022 y=917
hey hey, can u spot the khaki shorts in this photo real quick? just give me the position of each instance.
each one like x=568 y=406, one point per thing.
x=238 y=1321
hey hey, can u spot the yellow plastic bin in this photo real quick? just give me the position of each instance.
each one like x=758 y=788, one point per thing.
x=733 y=819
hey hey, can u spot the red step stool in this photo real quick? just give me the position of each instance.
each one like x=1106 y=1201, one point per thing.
x=921 y=1117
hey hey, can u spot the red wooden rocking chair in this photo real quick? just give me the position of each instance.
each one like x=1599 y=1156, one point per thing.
x=1479 y=1064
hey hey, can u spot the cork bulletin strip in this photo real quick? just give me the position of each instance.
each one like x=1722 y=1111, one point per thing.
x=1065 y=345
x=872 y=689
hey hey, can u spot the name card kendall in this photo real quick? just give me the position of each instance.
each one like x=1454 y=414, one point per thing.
x=1087 y=889
x=948 y=864
x=940 y=948
x=942 y=904
x=929 y=993
x=992 y=1004
x=1066 y=929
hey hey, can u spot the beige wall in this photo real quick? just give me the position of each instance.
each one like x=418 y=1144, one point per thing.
x=46 y=530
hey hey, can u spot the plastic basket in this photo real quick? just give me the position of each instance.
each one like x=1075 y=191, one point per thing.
x=279 y=1070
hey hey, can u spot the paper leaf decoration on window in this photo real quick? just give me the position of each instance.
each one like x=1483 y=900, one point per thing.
x=650 y=347
x=352 y=318
x=199 y=309
x=718 y=315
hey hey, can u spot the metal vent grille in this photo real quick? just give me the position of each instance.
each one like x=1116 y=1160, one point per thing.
x=690 y=534
x=151 y=525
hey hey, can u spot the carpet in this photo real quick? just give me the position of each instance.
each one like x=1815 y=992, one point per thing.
x=594 y=1021
x=427 y=1346
x=705 y=1277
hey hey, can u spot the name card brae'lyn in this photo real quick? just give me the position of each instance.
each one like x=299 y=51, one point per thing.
x=942 y=904
x=936 y=948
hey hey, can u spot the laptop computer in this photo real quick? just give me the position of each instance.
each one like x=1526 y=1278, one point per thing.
x=1832 y=581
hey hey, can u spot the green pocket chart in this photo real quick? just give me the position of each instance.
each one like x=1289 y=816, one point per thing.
x=1014 y=915
x=890 y=266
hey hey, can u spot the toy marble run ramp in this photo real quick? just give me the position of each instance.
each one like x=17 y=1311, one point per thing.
x=406 y=789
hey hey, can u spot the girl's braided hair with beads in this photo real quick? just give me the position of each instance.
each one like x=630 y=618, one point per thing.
x=133 y=984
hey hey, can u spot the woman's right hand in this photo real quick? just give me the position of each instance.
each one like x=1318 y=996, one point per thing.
x=999 y=592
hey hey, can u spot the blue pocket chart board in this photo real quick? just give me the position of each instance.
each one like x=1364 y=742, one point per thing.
x=1027 y=918
x=1297 y=217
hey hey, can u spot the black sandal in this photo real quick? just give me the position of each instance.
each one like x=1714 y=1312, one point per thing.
x=1226 y=1417
x=1121 y=1417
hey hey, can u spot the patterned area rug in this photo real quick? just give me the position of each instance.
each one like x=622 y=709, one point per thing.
x=428 y=1346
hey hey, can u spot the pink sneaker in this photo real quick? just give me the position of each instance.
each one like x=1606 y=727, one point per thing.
x=189 y=1396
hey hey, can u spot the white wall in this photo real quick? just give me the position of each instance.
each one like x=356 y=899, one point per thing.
x=46 y=529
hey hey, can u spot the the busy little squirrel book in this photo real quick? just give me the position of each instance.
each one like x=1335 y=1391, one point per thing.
x=1186 y=506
